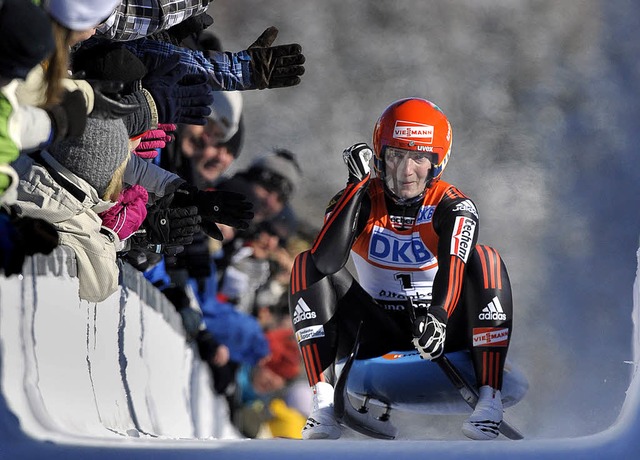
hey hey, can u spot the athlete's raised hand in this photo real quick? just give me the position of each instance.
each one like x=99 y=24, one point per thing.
x=357 y=158
x=429 y=334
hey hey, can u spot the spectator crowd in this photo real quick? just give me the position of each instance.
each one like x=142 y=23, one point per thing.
x=119 y=120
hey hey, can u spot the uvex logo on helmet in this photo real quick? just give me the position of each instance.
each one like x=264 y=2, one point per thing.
x=410 y=131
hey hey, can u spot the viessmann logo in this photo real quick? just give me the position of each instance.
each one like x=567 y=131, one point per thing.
x=490 y=337
x=413 y=131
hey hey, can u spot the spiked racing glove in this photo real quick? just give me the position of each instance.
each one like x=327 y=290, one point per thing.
x=430 y=333
x=357 y=158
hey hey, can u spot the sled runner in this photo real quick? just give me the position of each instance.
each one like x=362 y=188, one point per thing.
x=369 y=391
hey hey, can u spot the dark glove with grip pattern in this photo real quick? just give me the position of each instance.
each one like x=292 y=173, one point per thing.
x=215 y=206
x=275 y=66
x=172 y=226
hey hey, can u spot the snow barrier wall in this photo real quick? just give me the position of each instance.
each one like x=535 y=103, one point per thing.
x=114 y=369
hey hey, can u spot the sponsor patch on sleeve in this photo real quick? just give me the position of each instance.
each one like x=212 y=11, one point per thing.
x=490 y=336
x=311 y=332
x=468 y=206
x=463 y=232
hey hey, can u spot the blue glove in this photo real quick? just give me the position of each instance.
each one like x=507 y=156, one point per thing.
x=180 y=97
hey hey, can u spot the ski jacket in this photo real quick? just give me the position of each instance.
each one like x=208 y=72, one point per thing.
x=157 y=181
x=49 y=191
x=400 y=252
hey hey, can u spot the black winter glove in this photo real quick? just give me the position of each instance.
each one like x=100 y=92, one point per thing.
x=39 y=235
x=107 y=61
x=224 y=378
x=207 y=345
x=228 y=208
x=68 y=118
x=172 y=226
x=107 y=103
x=11 y=248
x=275 y=66
x=190 y=26
x=357 y=158
x=23 y=236
x=180 y=97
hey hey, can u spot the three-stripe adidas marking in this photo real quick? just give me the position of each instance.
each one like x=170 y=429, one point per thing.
x=493 y=311
x=302 y=312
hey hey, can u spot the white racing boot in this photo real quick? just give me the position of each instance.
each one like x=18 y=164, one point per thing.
x=322 y=423
x=487 y=416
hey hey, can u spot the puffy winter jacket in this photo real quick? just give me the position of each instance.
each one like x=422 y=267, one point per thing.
x=49 y=191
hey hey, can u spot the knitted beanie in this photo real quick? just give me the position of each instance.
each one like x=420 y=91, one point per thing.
x=25 y=37
x=225 y=112
x=80 y=14
x=96 y=155
x=271 y=169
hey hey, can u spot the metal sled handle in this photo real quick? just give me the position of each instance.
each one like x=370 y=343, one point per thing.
x=341 y=384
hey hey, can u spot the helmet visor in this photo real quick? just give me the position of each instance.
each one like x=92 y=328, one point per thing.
x=407 y=172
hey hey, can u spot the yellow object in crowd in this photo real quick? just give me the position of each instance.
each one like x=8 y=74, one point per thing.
x=285 y=422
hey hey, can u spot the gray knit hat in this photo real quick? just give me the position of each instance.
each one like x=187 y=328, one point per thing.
x=96 y=155
x=278 y=170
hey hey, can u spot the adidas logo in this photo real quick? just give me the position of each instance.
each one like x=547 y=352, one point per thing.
x=302 y=312
x=493 y=311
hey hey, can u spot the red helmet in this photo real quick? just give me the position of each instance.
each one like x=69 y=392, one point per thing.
x=417 y=125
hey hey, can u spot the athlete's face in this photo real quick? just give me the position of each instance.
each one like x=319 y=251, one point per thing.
x=406 y=172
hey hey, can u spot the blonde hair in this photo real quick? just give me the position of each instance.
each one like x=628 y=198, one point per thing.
x=57 y=66
x=116 y=184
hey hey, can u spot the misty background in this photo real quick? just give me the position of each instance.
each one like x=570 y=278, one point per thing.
x=543 y=97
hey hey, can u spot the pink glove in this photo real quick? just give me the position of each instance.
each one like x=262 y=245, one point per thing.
x=168 y=128
x=127 y=215
x=155 y=139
